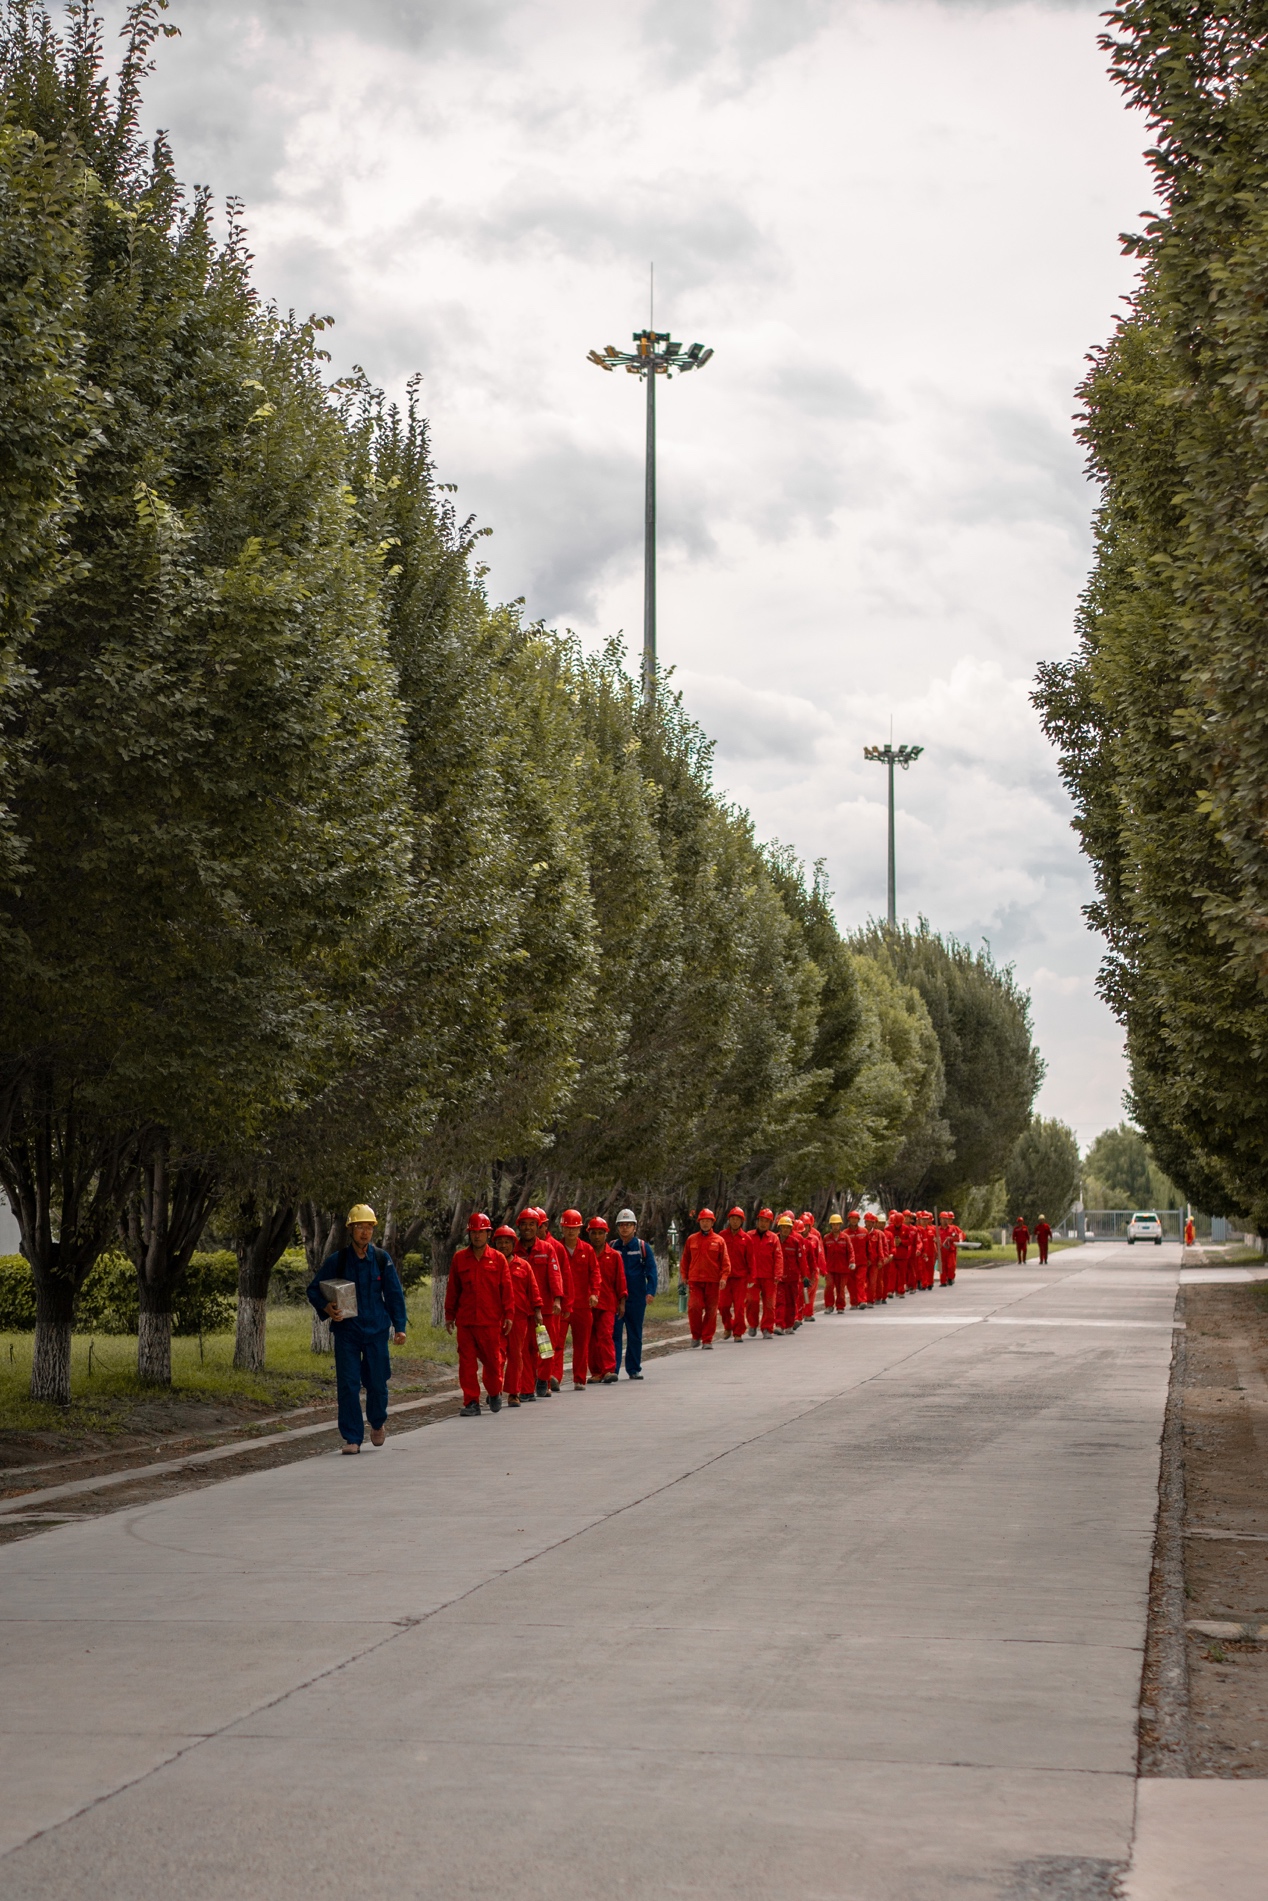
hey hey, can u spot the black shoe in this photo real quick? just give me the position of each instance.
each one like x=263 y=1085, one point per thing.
x=697 y=1343
x=554 y=1386
x=752 y=1333
x=634 y=1376
x=707 y=1345
x=609 y=1379
x=543 y=1389
x=471 y=1410
x=810 y=1319
x=528 y=1399
x=495 y=1402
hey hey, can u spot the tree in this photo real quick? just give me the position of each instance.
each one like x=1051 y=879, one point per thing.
x=1160 y=716
x=1119 y=1160
x=990 y=1064
x=1042 y=1176
x=209 y=658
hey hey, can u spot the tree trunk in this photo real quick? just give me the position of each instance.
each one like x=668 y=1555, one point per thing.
x=324 y=1233
x=154 y=1347
x=261 y=1240
x=248 y=1345
x=50 y=1365
x=323 y=1339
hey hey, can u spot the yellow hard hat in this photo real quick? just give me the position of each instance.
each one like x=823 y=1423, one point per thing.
x=362 y=1213
x=839 y=1219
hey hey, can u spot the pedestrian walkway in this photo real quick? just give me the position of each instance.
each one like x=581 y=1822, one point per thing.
x=858 y=1613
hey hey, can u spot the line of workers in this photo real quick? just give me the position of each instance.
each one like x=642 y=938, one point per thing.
x=513 y=1296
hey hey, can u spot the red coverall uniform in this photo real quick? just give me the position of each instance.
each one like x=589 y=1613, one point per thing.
x=1021 y=1241
x=583 y=1267
x=521 y=1358
x=550 y=1288
x=904 y=1250
x=838 y=1272
x=1043 y=1234
x=557 y=1324
x=765 y=1259
x=815 y=1265
x=949 y=1239
x=788 y=1290
x=480 y=1300
x=860 y=1292
x=927 y=1253
x=884 y=1263
x=612 y=1290
x=734 y=1290
x=705 y=1265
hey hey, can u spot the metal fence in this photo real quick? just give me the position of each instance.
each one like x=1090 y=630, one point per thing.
x=1110 y=1224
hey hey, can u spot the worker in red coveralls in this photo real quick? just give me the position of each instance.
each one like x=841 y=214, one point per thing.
x=1021 y=1240
x=1043 y=1234
x=557 y=1324
x=904 y=1249
x=583 y=1270
x=609 y=1302
x=480 y=1302
x=791 y=1268
x=765 y=1257
x=837 y=1266
x=949 y=1239
x=704 y=1266
x=816 y=1263
x=733 y=1296
x=856 y=1239
x=873 y=1254
x=1190 y=1231
x=540 y=1254
x=928 y=1249
x=520 y=1377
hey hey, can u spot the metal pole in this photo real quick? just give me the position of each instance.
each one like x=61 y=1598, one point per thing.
x=893 y=894
x=649 y=542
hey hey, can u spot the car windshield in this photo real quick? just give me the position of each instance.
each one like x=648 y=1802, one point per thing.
x=1148 y=1217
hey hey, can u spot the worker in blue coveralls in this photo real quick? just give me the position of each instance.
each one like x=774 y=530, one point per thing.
x=361 y=1355
x=640 y=1283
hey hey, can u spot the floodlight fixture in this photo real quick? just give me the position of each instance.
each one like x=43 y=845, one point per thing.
x=655 y=353
x=891 y=756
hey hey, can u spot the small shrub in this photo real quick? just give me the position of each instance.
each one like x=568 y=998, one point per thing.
x=17 y=1295
x=291 y=1276
x=108 y=1301
x=982 y=1236
x=207 y=1298
x=412 y=1269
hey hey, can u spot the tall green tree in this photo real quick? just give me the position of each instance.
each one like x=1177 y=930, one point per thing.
x=1042 y=1177
x=1159 y=716
x=990 y=1065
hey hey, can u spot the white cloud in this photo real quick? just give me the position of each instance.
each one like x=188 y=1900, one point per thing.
x=896 y=223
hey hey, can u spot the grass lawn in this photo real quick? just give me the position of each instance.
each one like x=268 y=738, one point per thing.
x=996 y=1257
x=107 y=1396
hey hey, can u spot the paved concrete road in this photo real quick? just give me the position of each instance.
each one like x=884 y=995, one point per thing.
x=856 y=1614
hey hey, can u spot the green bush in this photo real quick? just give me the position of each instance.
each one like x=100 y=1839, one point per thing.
x=982 y=1235
x=290 y=1279
x=17 y=1295
x=208 y=1296
x=412 y=1269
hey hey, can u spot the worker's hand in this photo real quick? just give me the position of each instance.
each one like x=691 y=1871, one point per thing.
x=332 y=1311
x=594 y=1300
x=507 y=1324
x=398 y=1339
x=620 y=1310
x=449 y=1326
x=557 y=1308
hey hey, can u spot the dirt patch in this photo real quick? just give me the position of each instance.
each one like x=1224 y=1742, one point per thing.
x=1226 y=1491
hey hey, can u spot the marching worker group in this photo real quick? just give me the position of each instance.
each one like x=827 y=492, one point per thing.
x=515 y=1294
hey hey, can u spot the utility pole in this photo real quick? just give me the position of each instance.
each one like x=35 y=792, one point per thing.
x=654 y=354
x=891 y=756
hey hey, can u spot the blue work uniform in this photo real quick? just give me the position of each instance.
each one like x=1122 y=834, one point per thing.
x=361 y=1355
x=640 y=1283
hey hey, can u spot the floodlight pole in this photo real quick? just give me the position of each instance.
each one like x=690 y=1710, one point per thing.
x=649 y=544
x=891 y=756
x=654 y=354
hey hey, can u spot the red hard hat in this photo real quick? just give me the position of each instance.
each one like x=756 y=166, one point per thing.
x=525 y=1214
x=706 y=1214
x=853 y=1215
x=808 y=1216
x=478 y=1224
x=597 y=1221
x=735 y=1211
x=764 y=1214
x=571 y=1218
x=504 y=1232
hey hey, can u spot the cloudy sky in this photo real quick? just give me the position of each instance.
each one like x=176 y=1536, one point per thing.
x=896 y=223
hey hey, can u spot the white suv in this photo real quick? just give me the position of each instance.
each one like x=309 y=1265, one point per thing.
x=1144 y=1227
